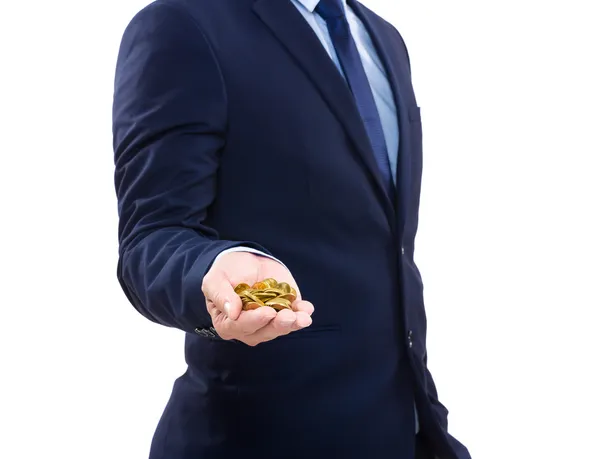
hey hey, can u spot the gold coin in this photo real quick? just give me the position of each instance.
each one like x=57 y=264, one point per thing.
x=269 y=292
x=241 y=287
x=279 y=304
x=252 y=297
x=264 y=297
x=270 y=282
x=285 y=287
x=288 y=296
x=250 y=305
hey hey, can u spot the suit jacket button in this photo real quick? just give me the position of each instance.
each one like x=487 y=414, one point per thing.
x=410 y=341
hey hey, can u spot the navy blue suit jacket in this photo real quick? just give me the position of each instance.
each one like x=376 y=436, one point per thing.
x=233 y=127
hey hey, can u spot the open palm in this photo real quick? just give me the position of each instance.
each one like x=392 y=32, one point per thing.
x=225 y=306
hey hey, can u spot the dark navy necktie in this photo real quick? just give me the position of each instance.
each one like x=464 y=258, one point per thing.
x=332 y=11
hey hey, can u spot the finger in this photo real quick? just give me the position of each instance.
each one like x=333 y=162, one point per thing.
x=304 y=306
x=250 y=322
x=269 y=332
x=219 y=294
x=303 y=320
x=285 y=323
x=247 y=323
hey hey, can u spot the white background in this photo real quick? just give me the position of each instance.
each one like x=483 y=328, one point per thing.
x=508 y=242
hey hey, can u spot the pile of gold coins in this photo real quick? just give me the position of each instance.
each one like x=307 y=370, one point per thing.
x=269 y=292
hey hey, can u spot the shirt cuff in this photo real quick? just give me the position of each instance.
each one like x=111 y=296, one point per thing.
x=246 y=249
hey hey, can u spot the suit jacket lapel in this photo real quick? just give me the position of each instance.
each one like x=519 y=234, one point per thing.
x=398 y=74
x=290 y=28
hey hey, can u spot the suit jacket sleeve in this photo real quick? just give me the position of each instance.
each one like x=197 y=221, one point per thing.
x=169 y=123
x=439 y=409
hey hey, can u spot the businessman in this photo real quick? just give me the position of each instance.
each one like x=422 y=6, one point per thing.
x=277 y=138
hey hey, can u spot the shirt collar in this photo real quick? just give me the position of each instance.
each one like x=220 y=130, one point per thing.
x=310 y=5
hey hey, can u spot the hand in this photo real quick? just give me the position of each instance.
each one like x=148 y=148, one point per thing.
x=225 y=306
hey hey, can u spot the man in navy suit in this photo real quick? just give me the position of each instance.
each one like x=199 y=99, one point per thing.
x=277 y=138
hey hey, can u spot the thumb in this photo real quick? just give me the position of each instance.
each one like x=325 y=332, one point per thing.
x=218 y=290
